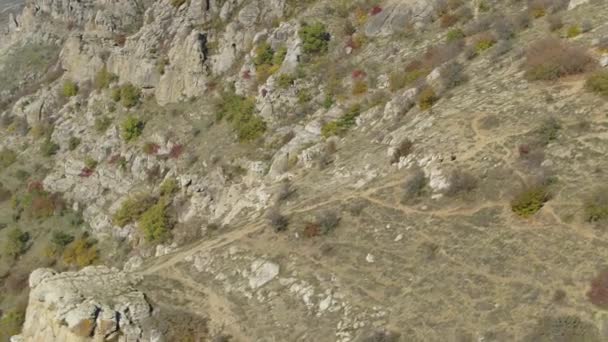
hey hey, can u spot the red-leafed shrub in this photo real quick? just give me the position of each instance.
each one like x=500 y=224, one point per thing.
x=176 y=151
x=312 y=230
x=35 y=186
x=357 y=74
x=247 y=74
x=598 y=294
x=86 y=172
x=376 y=10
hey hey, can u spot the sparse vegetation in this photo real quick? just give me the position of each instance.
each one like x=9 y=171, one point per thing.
x=598 y=83
x=327 y=221
x=276 y=220
x=550 y=59
x=427 y=98
x=461 y=182
x=81 y=252
x=128 y=95
x=403 y=149
x=595 y=207
x=132 y=209
x=240 y=112
x=7 y=157
x=104 y=78
x=343 y=124
x=415 y=185
x=573 y=31
x=16 y=242
x=169 y=187
x=102 y=123
x=177 y=3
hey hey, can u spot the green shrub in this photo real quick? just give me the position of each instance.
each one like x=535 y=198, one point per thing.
x=129 y=95
x=595 y=207
x=177 y=3
x=483 y=42
x=327 y=221
x=263 y=54
x=81 y=252
x=530 y=200
x=115 y=94
x=73 y=143
x=69 y=89
x=573 y=31
x=285 y=81
x=548 y=131
x=131 y=209
x=427 y=98
x=359 y=87
x=7 y=157
x=240 y=112
x=132 y=128
x=61 y=239
x=315 y=38
x=155 y=222
x=49 y=148
x=399 y=80
x=279 y=56
x=10 y=324
x=90 y=163
x=343 y=124
x=16 y=242
x=102 y=124
x=598 y=83
x=104 y=78
x=455 y=34
x=169 y=187
x=304 y=96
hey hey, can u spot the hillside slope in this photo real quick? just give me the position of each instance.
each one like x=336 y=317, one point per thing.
x=304 y=171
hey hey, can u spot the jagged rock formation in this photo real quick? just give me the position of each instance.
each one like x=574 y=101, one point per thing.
x=95 y=303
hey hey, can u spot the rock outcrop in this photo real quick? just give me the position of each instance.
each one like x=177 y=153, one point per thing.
x=96 y=302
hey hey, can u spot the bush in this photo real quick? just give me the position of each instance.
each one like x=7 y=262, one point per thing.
x=104 y=78
x=81 y=252
x=177 y=3
x=555 y=22
x=169 y=187
x=343 y=124
x=530 y=200
x=279 y=56
x=73 y=143
x=455 y=34
x=315 y=38
x=61 y=239
x=16 y=242
x=399 y=80
x=483 y=42
x=595 y=207
x=69 y=89
x=359 y=87
x=263 y=54
x=402 y=150
x=285 y=81
x=129 y=95
x=550 y=59
x=132 y=209
x=132 y=128
x=151 y=148
x=155 y=222
x=10 y=324
x=598 y=294
x=327 y=221
x=452 y=75
x=7 y=157
x=240 y=112
x=548 y=131
x=102 y=124
x=415 y=185
x=448 y=20
x=461 y=182
x=427 y=98
x=573 y=31
x=277 y=221
x=382 y=336
x=597 y=83
x=49 y=148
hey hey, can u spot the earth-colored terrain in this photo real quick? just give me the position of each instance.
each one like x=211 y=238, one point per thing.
x=304 y=171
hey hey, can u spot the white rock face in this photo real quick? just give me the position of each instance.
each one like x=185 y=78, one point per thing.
x=575 y=3
x=73 y=306
x=263 y=271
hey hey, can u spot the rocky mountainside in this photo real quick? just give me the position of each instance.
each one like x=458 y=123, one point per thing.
x=279 y=170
